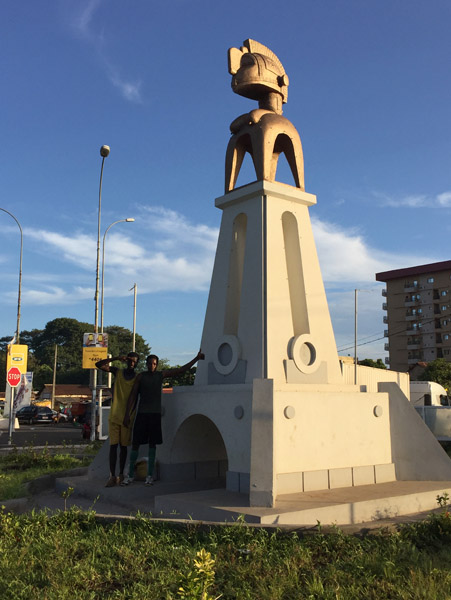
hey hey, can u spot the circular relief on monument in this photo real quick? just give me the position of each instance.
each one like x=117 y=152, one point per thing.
x=303 y=352
x=227 y=354
x=289 y=412
x=378 y=411
x=238 y=412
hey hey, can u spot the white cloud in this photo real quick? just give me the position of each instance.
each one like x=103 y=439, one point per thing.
x=442 y=200
x=130 y=90
x=82 y=21
x=84 y=27
x=346 y=257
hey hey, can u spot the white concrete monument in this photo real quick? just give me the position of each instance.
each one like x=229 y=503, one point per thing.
x=272 y=409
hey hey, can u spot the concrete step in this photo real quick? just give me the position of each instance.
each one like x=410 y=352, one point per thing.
x=344 y=506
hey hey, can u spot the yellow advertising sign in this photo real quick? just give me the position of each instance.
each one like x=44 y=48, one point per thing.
x=91 y=355
x=17 y=356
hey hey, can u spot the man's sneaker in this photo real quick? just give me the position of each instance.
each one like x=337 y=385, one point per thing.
x=111 y=481
x=149 y=480
x=128 y=480
x=120 y=479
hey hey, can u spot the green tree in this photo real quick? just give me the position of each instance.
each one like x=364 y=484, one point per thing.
x=369 y=362
x=120 y=342
x=439 y=370
x=67 y=334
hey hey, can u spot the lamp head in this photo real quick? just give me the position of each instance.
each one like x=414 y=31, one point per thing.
x=104 y=151
x=130 y=220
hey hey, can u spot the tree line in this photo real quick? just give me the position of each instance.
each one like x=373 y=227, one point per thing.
x=67 y=334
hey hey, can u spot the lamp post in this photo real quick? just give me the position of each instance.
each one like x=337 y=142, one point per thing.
x=130 y=220
x=20 y=275
x=104 y=152
x=12 y=391
x=135 y=288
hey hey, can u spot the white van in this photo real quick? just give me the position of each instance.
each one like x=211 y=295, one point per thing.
x=428 y=393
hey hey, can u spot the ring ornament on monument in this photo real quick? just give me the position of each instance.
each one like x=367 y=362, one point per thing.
x=227 y=354
x=303 y=352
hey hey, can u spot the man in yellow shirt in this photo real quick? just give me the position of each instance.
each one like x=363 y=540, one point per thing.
x=119 y=435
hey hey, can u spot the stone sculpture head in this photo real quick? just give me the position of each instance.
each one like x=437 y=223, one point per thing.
x=257 y=72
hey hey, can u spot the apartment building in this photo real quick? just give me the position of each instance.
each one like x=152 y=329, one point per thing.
x=418 y=305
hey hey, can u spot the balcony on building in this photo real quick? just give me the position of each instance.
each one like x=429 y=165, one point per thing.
x=413 y=343
x=384 y=306
x=412 y=300
x=385 y=320
x=386 y=347
x=411 y=286
x=384 y=292
x=387 y=360
x=385 y=332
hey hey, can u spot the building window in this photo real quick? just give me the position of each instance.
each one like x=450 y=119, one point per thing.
x=420 y=310
x=430 y=280
x=444 y=307
x=444 y=292
x=446 y=336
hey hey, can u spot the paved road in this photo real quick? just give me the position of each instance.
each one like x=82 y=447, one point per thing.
x=42 y=433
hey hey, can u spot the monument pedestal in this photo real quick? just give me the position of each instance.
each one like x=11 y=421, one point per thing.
x=270 y=410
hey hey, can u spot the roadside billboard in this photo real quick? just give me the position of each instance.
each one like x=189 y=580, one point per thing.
x=95 y=348
x=17 y=356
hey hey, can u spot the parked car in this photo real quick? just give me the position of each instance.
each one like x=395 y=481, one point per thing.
x=34 y=414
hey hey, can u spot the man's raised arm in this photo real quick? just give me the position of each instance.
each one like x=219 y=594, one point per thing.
x=104 y=364
x=182 y=369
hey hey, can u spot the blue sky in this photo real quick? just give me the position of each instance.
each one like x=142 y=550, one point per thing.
x=370 y=94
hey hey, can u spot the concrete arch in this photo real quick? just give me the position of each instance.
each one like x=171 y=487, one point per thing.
x=198 y=449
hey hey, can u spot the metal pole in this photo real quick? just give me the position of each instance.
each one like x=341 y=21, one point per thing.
x=19 y=295
x=104 y=151
x=20 y=275
x=130 y=220
x=355 y=337
x=54 y=378
x=135 y=288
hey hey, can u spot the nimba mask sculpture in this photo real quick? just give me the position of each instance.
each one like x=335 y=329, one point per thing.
x=259 y=75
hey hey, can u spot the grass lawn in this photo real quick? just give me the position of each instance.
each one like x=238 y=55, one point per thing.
x=20 y=466
x=72 y=555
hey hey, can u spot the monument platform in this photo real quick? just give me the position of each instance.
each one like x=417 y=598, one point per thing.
x=184 y=500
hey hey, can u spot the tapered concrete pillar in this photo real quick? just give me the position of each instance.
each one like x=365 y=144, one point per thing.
x=267 y=313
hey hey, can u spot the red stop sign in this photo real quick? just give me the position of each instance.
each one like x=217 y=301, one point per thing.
x=13 y=376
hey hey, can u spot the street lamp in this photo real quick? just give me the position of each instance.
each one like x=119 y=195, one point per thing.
x=130 y=220
x=11 y=395
x=20 y=274
x=104 y=152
